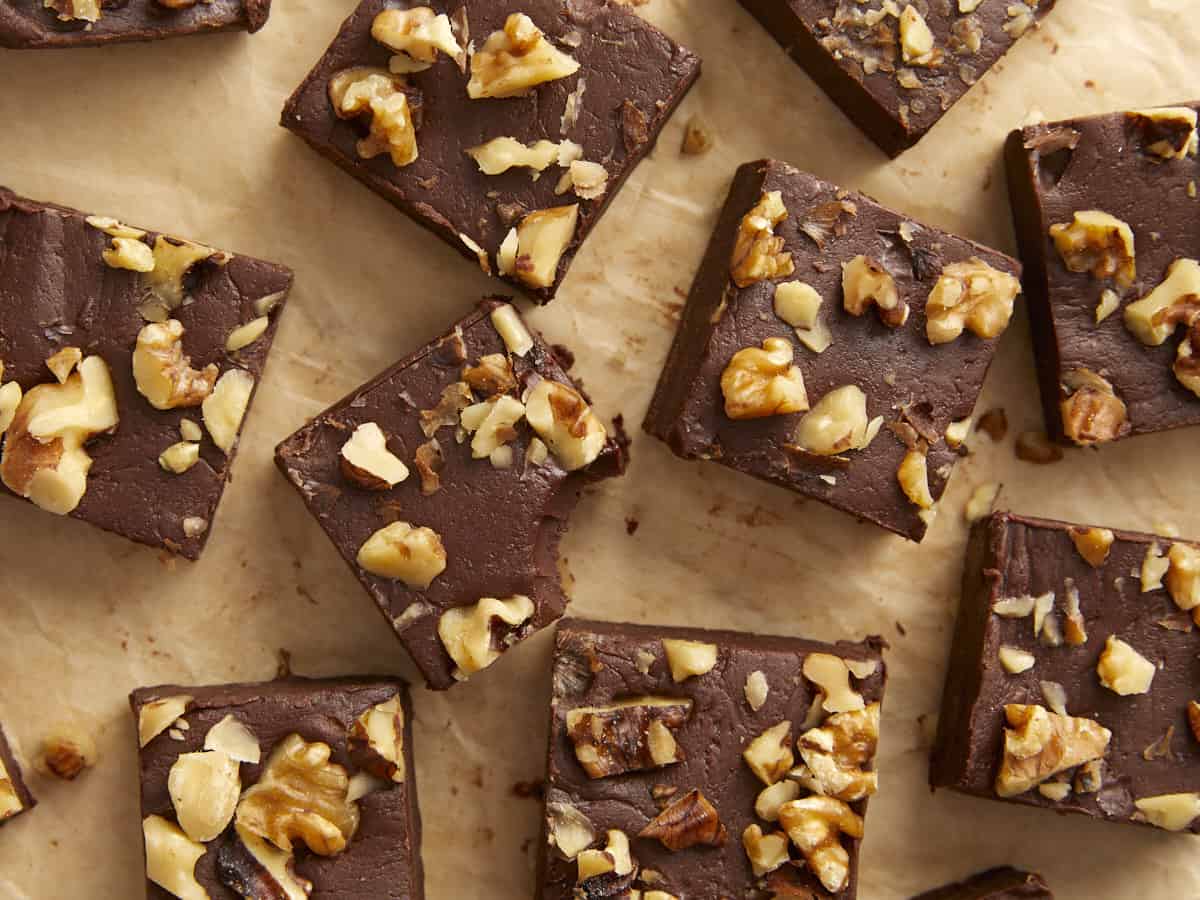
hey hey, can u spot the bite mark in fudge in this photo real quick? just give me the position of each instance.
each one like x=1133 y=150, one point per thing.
x=834 y=347
x=128 y=361
x=15 y=797
x=707 y=764
x=1096 y=718
x=1109 y=232
x=279 y=790
x=892 y=66
x=995 y=884
x=505 y=131
x=462 y=559
x=40 y=24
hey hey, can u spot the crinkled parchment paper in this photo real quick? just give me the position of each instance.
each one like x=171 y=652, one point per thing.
x=182 y=135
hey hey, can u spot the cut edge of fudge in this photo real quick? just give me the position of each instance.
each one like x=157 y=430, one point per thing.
x=15 y=796
x=1001 y=883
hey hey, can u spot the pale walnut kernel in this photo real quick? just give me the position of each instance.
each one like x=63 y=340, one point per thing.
x=367 y=91
x=512 y=330
x=1098 y=243
x=913 y=476
x=379 y=733
x=503 y=153
x=174 y=259
x=1174 y=302
x=773 y=796
x=157 y=716
x=1039 y=744
x=866 y=283
x=970 y=295
x=1093 y=544
x=568 y=829
x=366 y=460
x=65 y=752
x=492 y=375
x=516 y=59
x=130 y=254
x=766 y=852
x=416 y=35
x=1183 y=576
x=1092 y=413
x=815 y=825
x=532 y=251
x=179 y=457
x=769 y=755
x=1187 y=360
x=204 y=789
x=1015 y=660
x=614 y=858
x=565 y=422
x=916 y=40
x=163 y=374
x=635 y=735
x=224 y=409
x=763 y=382
x=233 y=739
x=1123 y=670
x=245 y=335
x=76 y=10
x=10 y=401
x=756 y=690
x=493 y=423
x=1171 y=812
x=798 y=304
x=1169 y=131
x=758 y=252
x=63 y=363
x=467 y=632
x=838 y=423
x=1155 y=566
x=589 y=180
x=689 y=659
x=1110 y=302
x=837 y=755
x=171 y=858
x=10 y=803
x=687 y=822
x=1193 y=715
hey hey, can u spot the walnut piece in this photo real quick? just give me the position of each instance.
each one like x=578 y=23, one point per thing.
x=204 y=789
x=492 y=375
x=63 y=363
x=832 y=675
x=798 y=304
x=563 y=419
x=157 y=716
x=65 y=752
x=258 y=870
x=503 y=153
x=758 y=252
x=225 y=408
x=416 y=35
x=235 y=740
x=364 y=90
x=866 y=283
x=366 y=460
x=1015 y=660
x=493 y=423
x=1174 y=302
x=174 y=260
x=455 y=397
x=76 y=10
x=615 y=858
x=10 y=803
x=516 y=59
x=1155 y=566
x=429 y=461
x=468 y=632
x=837 y=755
x=838 y=423
x=970 y=295
x=1039 y=744
x=1123 y=670
x=164 y=376
x=401 y=551
x=589 y=180
x=378 y=735
x=10 y=401
x=1171 y=812
x=773 y=796
x=916 y=40
x=756 y=690
x=1187 y=360
x=1092 y=413
x=1183 y=576
x=634 y=735
x=767 y=852
x=532 y=251
x=1093 y=544
x=815 y=825
x=512 y=330
x=689 y=659
x=687 y=822
x=1193 y=715
x=769 y=755
x=763 y=382
x=1169 y=132
x=1098 y=243
x=171 y=858
x=568 y=829
x=913 y=476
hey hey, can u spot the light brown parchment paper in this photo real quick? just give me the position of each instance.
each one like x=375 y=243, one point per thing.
x=183 y=136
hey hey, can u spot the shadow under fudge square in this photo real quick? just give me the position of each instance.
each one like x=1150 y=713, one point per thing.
x=833 y=347
x=1002 y=883
x=681 y=760
x=1073 y=673
x=129 y=360
x=281 y=789
x=1108 y=224
x=586 y=82
x=461 y=553
x=15 y=797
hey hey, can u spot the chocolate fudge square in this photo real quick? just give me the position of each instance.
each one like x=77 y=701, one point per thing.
x=707 y=764
x=1109 y=229
x=47 y=24
x=286 y=789
x=995 y=884
x=15 y=797
x=1073 y=675
x=503 y=128
x=128 y=361
x=834 y=347
x=446 y=483
x=895 y=68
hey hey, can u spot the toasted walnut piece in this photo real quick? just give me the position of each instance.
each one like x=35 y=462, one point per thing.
x=769 y=755
x=916 y=40
x=687 y=822
x=300 y=795
x=1171 y=812
x=245 y=335
x=563 y=419
x=378 y=733
x=1187 y=360
x=76 y=10
x=614 y=858
x=767 y=852
x=190 y=431
x=493 y=374
x=1093 y=544
x=174 y=259
x=866 y=283
x=503 y=153
x=815 y=825
x=970 y=295
x=1155 y=566
x=1092 y=413
x=1169 y=131
x=1175 y=301
x=798 y=304
x=763 y=382
x=635 y=735
x=204 y=789
x=467 y=632
x=1015 y=660
x=157 y=716
x=417 y=34
x=493 y=423
x=832 y=676
x=588 y=180
x=1123 y=670
x=180 y=457
x=1089 y=778
x=758 y=252
x=773 y=796
x=407 y=553
x=913 y=476
x=514 y=60
x=1098 y=243
x=1016 y=607
x=163 y=374
x=429 y=462
x=1076 y=627
x=540 y=240
x=1039 y=744
x=838 y=423
x=1056 y=791
x=65 y=752
x=512 y=330
x=837 y=755
x=225 y=408
x=234 y=739
x=756 y=690
x=366 y=460
x=689 y=658
x=63 y=363
x=257 y=870
x=1193 y=715
x=454 y=399
x=568 y=829
x=171 y=858
x=1110 y=302
x=363 y=90
x=114 y=228
x=1183 y=576
x=10 y=401
x=697 y=137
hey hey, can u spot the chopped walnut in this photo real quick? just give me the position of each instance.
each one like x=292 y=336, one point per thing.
x=615 y=858
x=65 y=753
x=1171 y=812
x=1076 y=627
x=773 y=796
x=827 y=220
x=697 y=137
x=1168 y=132
x=163 y=374
x=1187 y=360
x=815 y=825
x=468 y=632
x=225 y=408
x=534 y=248
x=916 y=40
x=1089 y=778
x=589 y=180
x=1015 y=660
x=454 y=399
x=631 y=736
x=1098 y=243
x=363 y=90
x=1193 y=715
x=758 y=252
x=1039 y=744
x=767 y=852
x=171 y=858
x=1093 y=544
x=1092 y=413
x=158 y=715
x=568 y=829
x=516 y=59
x=836 y=755
x=77 y=10
x=493 y=374
x=493 y=423
x=1174 y=302
x=1123 y=670
x=428 y=461
x=913 y=476
x=832 y=675
x=204 y=789
x=769 y=755
x=366 y=460
x=174 y=260
x=756 y=690
x=258 y=870
x=565 y=422
x=179 y=457
x=689 y=659
x=687 y=822
x=1183 y=576
x=405 y=553
x=377 y=736
x=763 y=382
x=503 y=153
x=797 y=303
x=970 y=295
x=416 y=35
x=866 y=283
x=838 y=423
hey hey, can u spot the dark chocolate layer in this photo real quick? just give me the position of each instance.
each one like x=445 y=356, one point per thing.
x=29 y=25
x=995 y=884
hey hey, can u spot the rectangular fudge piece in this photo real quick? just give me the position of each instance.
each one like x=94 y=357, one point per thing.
x=283 y=789
x=1108 y=224
x=995 y=884
x=461 y=557
x=681 y=760
x=779 y=343
x=895 y=68
x=574 y=93
x=1073 y=676
x=42 y=24
x=128 y=360
x=15 y=797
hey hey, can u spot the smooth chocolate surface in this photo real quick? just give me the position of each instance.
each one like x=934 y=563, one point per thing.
x=631 y=77
x=1102 y=163
x=1152 y=751
x=57 y=291
x=382 y=860
x=905 y=378
x=10 y=772
x=598 y=664
x=995 y=884
x=500 y=527
x=29 y=25
x=853 y=50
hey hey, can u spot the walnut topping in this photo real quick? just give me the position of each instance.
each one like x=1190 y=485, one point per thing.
x=798 y=304
x=174 y=259
x=366 y=460
x=378 y=735
x=763 y=382
x=1093 y=544
x=245 y=335
x=970 y=295
x=615 y=858
x=512 y=330
x=157 y=716
x=1168 y=132
x=866 y=283
x=837 y=754
x=503 y=153
x=416 y=35
x=1171 y=812
x=516 y=59
x=77 y=10
x=687 y=822
x=563 y=419
x=1193 y=714
x=1076 y=627
x=815 y=825
x=1092 y=413
x=913 y=476
x=1015 y=660
x=756 y=690
x=468 y=632
x=363 y=90
x=773 y=796
x=163 y=374
x=826 y=220
x=838 y=423
x=631 y=736
x=414 y=555
x=1017 y=607
x=454 y=399
x=1187 y=360
x=588 y=180
x=493 y=374
x=769 y=755
x=1098 y=243
x=429 y=461
x=568 y=829
x=225 y=408
x=257 y=870
x=1176 y=301
x=1039 y=744
x=689 y=659
x=10 y=803
x=300 y=795
x=10 y=401
x=832 y=676
x=1155 y=566
x=493 y=423
x=1183 y=576
x=758 y=252
x=767 y=852
x=916 y=40
x=179 y=457
x=533 y=249
x=171 y=858
x=233 y=739
x=204 y=789
x=63 y=363
x=1123 y=670
x=65 y=753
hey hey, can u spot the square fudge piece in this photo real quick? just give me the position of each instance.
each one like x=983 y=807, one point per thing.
x=503 y=128
x=1072 y=680
x=818 y=317
x=42 y=24
x=895 y=68
x=279 y=790
x=15 y=797
x=699 y=765
x=462 y=557
x=1109 y=229
x=995 y=884
x=128 y=361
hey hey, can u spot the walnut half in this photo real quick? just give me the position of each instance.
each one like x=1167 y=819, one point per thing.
x=970 y=295
x=1092 y=413
x=1039 y=744
x=816 y=825
x=763 y=382
x=363 y=90
x=758 y=252
x=516 y=59
x=866 y=283
x=1098 y=243
x=467 y=632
